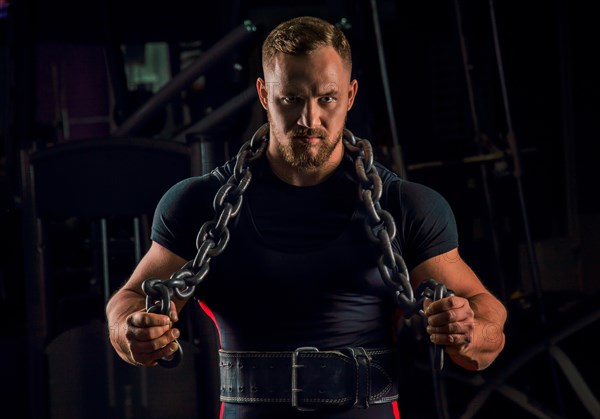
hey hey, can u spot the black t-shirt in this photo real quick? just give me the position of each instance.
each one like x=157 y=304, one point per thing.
x=299 y=269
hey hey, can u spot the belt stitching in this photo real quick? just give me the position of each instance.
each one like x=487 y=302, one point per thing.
x=321 y=354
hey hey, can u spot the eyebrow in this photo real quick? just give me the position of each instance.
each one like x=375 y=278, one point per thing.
x=295 y=91
x=330 y=92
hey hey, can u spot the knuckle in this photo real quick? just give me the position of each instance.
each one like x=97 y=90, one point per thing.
x=451 y=315
x=157 y=344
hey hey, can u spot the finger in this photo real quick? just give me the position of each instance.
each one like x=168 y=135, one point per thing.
x=442 y=319
x=441 y=339
x=439 y=306
x=147 y=350
x=450 y=339
x=173 y=312
x=426 y=305
x=447 y=303
x=145 y=319
x=144 y=327
x=449 y=311
x=150 y=359
x=167 y=351
x=447 y=329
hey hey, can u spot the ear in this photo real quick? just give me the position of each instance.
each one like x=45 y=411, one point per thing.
x=352 y=89
x=263 y=92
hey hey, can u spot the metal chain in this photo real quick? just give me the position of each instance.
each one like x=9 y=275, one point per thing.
x=381 y=230
x=211 y=239
x=379 y=224
x=213 y=236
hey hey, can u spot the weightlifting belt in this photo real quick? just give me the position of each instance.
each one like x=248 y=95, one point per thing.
x=308 y=378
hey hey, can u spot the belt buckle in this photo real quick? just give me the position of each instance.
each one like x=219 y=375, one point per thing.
x=295 y=366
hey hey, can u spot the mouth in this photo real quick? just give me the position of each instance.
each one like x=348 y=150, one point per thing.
x=308 y=139
x=308 y=136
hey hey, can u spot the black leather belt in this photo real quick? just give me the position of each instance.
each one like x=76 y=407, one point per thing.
x=308 y=378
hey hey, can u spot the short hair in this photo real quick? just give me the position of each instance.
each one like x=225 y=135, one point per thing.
x=302 y=36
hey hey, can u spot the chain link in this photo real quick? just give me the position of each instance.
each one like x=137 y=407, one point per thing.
x=379 y=223
x=211 y=239
x=380 y=228
x=213 y=236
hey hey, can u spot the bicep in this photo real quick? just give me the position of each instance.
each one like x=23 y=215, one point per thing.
x=451 y=270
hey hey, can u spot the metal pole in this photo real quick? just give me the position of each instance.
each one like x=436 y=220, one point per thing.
x=568 y=134
x=512 y=142
x=220 y=114
x=483 y=168
x=185 y=78
x=396 y=149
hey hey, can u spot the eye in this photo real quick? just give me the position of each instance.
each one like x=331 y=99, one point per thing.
x=327 y=99
x=290 y=99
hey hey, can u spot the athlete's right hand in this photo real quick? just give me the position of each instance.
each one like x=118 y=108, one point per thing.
x=150 y=336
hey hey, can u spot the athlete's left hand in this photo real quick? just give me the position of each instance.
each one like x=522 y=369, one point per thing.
x=450 y=322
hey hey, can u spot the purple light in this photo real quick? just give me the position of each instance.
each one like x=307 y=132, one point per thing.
x=4 y=9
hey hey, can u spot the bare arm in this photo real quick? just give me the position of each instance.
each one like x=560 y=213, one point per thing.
x=469 y=324
x=138 y=337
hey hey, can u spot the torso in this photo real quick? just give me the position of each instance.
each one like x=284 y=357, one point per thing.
x=299 y=271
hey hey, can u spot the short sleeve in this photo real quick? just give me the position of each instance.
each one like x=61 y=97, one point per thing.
x=181 y=212
x=425 y=221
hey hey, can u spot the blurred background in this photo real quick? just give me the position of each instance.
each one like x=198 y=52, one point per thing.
x=104 y=105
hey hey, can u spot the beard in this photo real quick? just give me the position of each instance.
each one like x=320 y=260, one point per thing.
x=301 y=155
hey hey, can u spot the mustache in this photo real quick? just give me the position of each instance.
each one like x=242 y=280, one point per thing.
x=307 y=132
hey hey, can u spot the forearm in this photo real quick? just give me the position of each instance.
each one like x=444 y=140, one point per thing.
x=487 y=336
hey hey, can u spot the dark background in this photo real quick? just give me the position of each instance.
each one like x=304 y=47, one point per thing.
x=528 y=216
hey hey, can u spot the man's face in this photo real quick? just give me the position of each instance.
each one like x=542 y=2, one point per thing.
x=307 y=99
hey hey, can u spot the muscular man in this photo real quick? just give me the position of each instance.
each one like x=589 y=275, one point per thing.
x=299 y=270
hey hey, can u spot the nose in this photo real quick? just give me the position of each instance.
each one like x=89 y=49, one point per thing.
x=309 y=118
